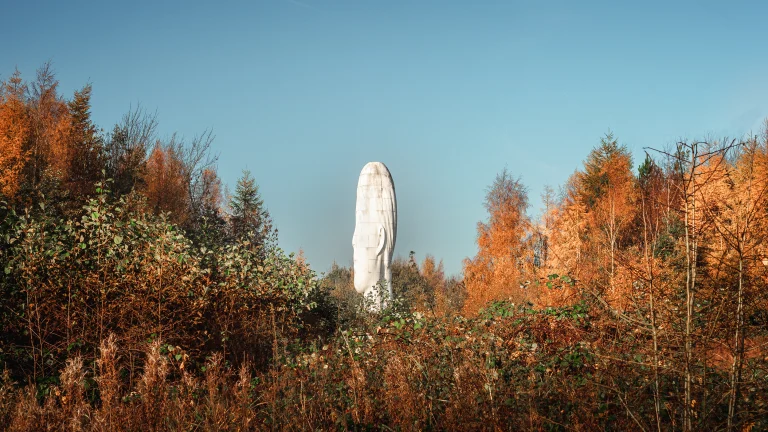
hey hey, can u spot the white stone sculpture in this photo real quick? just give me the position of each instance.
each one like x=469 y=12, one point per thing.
x=375 y=232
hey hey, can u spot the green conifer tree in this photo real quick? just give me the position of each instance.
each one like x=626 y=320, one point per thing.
x=249 y=219
x=86 y=160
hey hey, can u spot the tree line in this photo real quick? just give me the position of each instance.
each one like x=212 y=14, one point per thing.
x=138 y=295
x=675 y=250
x=50 y=151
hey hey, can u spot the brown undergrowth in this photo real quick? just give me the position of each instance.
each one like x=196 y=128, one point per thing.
x=511 y=368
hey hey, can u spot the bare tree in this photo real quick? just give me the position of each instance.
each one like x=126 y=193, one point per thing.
x=688 y=158
x=127 y=147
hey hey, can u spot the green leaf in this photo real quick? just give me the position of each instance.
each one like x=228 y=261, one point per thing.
x=118 y=239
x=8 y=270
x=178 y=357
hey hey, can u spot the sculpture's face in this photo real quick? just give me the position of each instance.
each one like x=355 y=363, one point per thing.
x=366 y=256
x=368 y=239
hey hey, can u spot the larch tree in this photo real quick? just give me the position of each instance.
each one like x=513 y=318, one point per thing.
x=165 y=188
x=48 y=147
x=698 y=170
x=210 y=191
x=434 y=276
x=544 y=229
x=497 y=269
x=607 y=191
x=566 y=222
x=733 y=202
x=14 y=133
x=433 y=272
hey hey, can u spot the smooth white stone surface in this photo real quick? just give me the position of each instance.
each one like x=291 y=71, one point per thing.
x=375 y=231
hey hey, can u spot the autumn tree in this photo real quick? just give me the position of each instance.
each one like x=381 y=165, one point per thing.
x=166 y=189
x=733 y=200
x=543 y=230
x=434 y=276
x=501 y=261
x=210 y=191
x=14 y=134
x=607 y=193
x=48 y=147
x=433 y=272
x=566 y=225
x=409 y=286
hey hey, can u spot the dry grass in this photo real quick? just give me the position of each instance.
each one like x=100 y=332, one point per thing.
x=511 y=368
x=164 y=398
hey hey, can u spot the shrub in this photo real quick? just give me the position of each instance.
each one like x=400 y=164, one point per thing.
x=120 y=270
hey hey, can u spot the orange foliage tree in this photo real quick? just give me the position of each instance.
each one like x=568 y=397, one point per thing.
x=565 y=226
x=502 y=258
x=434 y=276
x=166 y=189
x=14 y=133
x=49 y=152
x=34 y=133
x=607 y=191
x=210 y=189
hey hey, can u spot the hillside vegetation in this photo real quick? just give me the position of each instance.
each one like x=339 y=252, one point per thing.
x=137 y=296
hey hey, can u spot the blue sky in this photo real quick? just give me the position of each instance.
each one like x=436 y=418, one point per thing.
x=445 y=93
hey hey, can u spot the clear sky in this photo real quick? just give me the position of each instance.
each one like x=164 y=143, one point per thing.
x=445 y=93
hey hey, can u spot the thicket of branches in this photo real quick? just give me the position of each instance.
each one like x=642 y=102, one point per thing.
x=135 y=296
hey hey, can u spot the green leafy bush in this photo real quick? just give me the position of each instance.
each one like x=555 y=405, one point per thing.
x=120 y=270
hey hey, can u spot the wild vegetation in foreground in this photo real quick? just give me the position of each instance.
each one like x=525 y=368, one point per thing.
x=136 y=296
